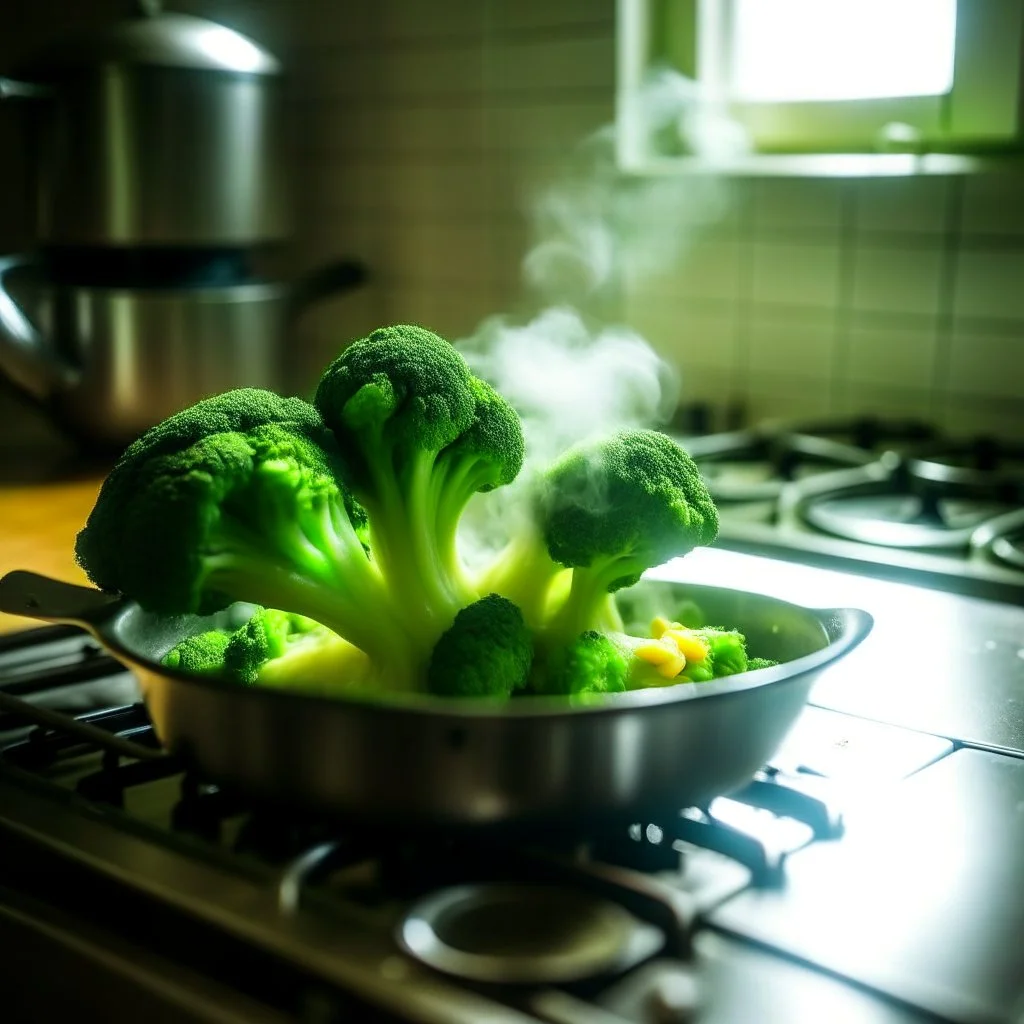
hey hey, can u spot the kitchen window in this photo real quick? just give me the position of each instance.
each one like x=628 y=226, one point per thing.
x=784 y=78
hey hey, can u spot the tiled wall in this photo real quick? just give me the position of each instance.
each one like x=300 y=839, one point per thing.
x=899 y=297
x=424 y=130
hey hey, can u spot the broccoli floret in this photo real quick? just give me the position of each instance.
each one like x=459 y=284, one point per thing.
x=593 y=663
x=423 y=434
x=753 y=664
x=264 y=637
x=201 y=654
x=614 y=509
x=191 y=522
x=727 y=651
x=487 y=652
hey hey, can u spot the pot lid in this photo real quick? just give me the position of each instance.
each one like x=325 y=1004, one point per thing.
x=160 y=39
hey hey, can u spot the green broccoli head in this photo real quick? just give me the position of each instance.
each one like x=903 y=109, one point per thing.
x=201 y=654
x=423 y=435
x=134 y=490
x=624 y=504
x=487 y=652
x=611 y=510
x=753 y=664
x=398 y=392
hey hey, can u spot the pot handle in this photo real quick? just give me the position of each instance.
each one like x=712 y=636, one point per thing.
x=331 y=279
x=13 y=89
x=25 y=356
x=42 y=597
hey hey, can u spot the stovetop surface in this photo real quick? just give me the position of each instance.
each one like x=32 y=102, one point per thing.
x=889 y=499
x=866 y=874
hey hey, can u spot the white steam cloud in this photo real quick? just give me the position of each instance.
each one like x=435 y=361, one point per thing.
x=568 y=370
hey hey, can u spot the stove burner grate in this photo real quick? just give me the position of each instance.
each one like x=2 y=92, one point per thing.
x=912 y=504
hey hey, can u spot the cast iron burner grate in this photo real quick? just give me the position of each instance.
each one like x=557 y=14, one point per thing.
x=754 y=466
x=934 y=501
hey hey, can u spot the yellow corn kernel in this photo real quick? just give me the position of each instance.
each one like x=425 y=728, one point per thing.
x=692 y=647
x=659 y=625
x=670 y=669
x=664 y=655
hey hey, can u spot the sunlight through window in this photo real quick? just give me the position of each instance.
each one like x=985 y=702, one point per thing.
x=798 y=50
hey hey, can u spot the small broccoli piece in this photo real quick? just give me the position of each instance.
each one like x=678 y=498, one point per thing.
x=264 y=637
x=202 y=654
x=423 y=434
x=753 y=664
x=487 y=652
x=259 y=512
x=593 y=663
x=728 y=651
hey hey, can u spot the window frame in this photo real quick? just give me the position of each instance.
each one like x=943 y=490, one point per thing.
x=981 y=114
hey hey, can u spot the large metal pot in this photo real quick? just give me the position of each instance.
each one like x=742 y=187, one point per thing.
x=163 y=129
x=107 y=361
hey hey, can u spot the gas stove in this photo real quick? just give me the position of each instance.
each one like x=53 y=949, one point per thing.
x=868 y=873
x=894 y=499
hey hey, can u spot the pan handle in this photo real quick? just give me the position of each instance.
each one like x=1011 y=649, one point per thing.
x=42 y=597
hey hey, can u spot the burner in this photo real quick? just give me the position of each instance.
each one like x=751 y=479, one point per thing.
x=979 y=462
x=524 y=934
x=755 y=465
x=919 y=504
x=1002 y=538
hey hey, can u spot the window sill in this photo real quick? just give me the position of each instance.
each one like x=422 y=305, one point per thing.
x=829 y=165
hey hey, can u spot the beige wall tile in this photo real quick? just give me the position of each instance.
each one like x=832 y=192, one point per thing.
x=990 y=284
x=778 y=346
x=891 y=358
x=917 y=205
x=784 y=204
x=795 y=274
x=991 y=364
x=884 y=401
x=993 y=205
x=890 y=280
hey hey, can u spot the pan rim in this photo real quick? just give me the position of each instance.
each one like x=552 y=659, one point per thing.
x=530 y=707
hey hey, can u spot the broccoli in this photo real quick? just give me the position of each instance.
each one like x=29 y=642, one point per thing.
x=424 y=434
x=755 y=663
x=276 y=649
x=486 y=652
x=254 y=510
x=593 y=663
x=201 y=654
x=727 y=650
x=338 y=521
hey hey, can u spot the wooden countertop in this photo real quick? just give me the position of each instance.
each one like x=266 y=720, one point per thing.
x=38 y=524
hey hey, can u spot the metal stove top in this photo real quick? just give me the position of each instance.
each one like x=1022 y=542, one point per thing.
x=894 y=500
x=866 y=874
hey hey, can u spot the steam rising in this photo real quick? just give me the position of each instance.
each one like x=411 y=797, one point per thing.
x=568 y=382
x=567 y=370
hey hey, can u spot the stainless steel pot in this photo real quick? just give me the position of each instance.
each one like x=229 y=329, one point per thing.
x=422 y=760
x=163 y=129
x=108 y=362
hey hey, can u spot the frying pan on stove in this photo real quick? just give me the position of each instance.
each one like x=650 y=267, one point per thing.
x=422 y=760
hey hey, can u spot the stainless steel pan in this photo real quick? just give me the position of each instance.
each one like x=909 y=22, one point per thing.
x=428 y=760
